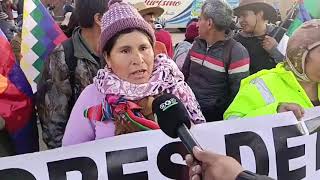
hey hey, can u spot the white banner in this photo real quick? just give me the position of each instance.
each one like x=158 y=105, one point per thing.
x=176 y=12
x=278 y=146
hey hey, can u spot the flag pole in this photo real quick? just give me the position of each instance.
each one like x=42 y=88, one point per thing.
x=293 y=8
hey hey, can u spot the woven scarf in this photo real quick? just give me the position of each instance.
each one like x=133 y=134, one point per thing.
x=165 y=78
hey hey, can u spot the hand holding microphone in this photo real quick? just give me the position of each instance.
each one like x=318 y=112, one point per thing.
x=213 y=166
x=174 y=121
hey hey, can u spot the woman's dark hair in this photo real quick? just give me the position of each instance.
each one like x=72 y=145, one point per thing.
x=86 y=9
x=109 y=46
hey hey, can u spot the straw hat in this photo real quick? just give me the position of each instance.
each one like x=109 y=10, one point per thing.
x=143 y=9
x=269 y=11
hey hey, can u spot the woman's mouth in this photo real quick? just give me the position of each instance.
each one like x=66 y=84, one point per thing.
x=140 y=73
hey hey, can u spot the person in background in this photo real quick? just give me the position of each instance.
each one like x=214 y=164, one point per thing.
x=65 y=22
x=16 y=46
x=50 y=9
x=68 y=70
x=165 y=37
x=8 y=6
x=67 y=7
x=120 y=99
x=257 y=34
x=6 y=26
x=292 y=86
x=217 y=167
x=192 y=20
x=182 y=48
x=69 y=23
x=16 y=43
x=149 y=14
x=216 y=63
x=20 y=7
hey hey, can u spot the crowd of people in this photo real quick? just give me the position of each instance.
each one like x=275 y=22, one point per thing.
x=117 y=60
x=8 y=24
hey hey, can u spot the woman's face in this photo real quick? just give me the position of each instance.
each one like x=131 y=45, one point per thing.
x=132 y=58
x=313 y=65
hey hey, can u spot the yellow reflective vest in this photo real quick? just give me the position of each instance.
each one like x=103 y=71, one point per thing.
x=261 y=93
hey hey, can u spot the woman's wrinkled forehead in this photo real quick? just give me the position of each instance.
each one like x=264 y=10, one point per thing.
x=112 y=42
x=134 y=38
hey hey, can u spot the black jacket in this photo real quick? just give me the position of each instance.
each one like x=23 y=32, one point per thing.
x=259 y=58
x=205 y=72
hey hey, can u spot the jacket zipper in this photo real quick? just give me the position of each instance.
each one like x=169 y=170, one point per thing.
x=205 y=56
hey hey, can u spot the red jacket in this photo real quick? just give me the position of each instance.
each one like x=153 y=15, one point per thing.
x=160 y=48
x=165 y=37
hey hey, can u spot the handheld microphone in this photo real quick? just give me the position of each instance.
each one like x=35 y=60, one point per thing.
x=174 y=119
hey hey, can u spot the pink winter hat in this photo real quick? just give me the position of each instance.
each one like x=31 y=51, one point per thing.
x=119 y=17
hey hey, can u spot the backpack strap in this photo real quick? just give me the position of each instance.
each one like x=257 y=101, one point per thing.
x=227 y=54
x=278 y=32
x=71 y=62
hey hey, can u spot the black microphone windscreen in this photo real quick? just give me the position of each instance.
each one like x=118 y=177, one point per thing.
x=170 y=113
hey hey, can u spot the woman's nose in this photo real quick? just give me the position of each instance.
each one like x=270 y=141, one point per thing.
x=137 y=58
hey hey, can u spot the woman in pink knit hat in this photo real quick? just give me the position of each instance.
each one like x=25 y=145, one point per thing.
x=120 y=99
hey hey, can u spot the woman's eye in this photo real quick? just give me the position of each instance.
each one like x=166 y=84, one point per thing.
x=125 y=51
x=144 y=48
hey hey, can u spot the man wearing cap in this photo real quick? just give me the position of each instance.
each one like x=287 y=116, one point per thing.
x=257 y=34
x=292 y=86
x=149 y=14
x=216 y=63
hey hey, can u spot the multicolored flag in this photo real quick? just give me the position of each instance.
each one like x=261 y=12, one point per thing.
x=16 y=102
x=308 y=9
x=40 y=35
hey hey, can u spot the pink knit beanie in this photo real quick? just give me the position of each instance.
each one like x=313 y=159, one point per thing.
x=121 y=16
